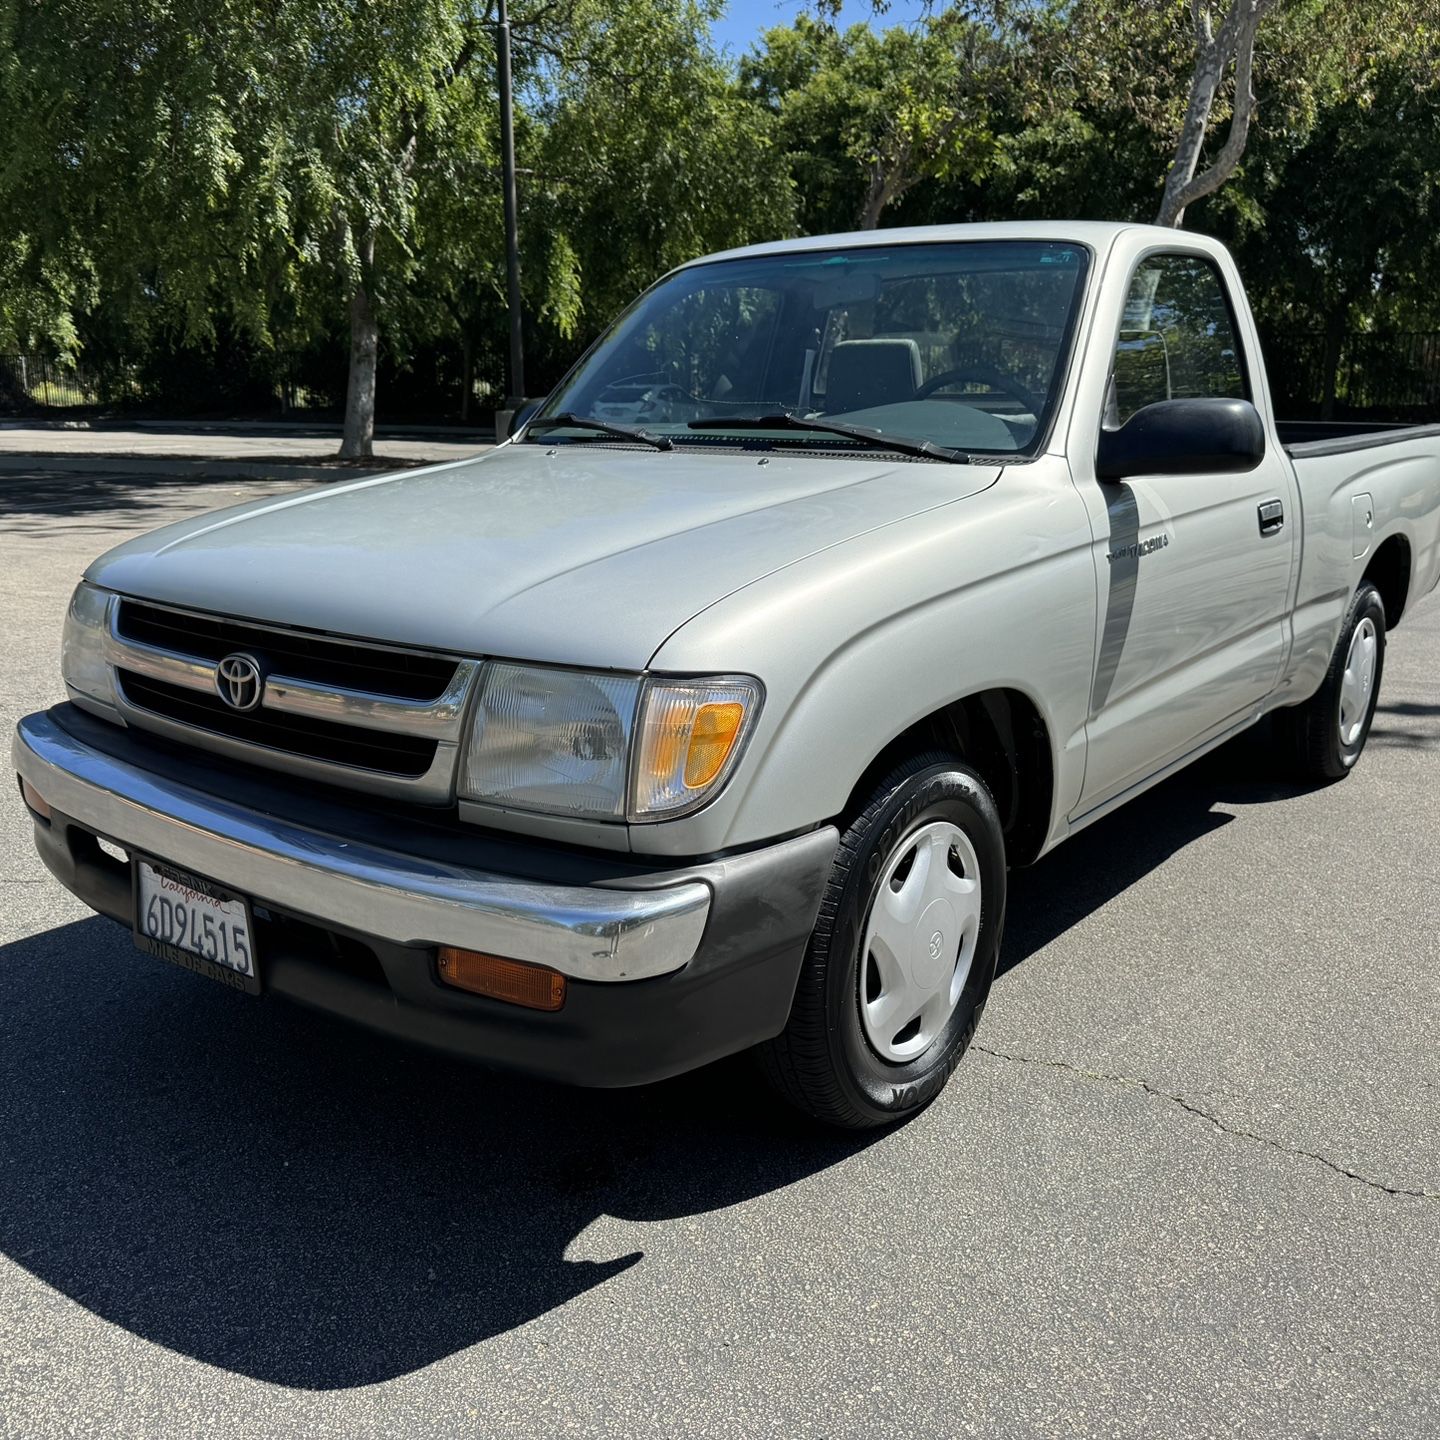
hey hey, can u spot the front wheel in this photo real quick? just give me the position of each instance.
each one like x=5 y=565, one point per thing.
x=903 y=953
x=1326 y=735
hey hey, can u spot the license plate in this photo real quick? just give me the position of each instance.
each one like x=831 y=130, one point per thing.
x=195 y=924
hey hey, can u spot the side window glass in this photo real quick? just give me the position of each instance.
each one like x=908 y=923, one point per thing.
x=1177 y=338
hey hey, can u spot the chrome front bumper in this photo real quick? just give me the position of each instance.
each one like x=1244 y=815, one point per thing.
x=588 y=932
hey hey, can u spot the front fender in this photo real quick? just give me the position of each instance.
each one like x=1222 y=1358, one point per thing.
x=857 y=644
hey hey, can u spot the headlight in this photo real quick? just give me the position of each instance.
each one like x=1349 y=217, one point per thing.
x=552 y=740
x=603 y=746
x=82 y=650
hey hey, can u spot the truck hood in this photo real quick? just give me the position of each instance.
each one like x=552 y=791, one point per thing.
x=571 y=554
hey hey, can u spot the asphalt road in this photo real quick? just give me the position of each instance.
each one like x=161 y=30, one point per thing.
x=1186 y=1185
x=226 y=441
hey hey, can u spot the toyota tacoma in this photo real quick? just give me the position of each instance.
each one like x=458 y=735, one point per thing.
x=709 y=712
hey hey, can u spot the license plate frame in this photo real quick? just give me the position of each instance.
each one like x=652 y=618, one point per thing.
x=178 y=954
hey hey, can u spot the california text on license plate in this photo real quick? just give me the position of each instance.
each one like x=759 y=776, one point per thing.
x=195 y=924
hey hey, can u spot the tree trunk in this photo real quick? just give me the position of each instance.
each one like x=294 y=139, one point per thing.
x=359 y=438
x=1203 y=85
x=888 y=181
x=1214 y=52
x=877 y=197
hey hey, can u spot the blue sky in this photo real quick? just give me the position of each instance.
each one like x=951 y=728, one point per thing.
x=745 y=19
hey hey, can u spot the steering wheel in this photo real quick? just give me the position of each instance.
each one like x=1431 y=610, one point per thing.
x=987 y=375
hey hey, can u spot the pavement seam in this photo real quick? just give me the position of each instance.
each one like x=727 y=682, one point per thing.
x=1133 y=1082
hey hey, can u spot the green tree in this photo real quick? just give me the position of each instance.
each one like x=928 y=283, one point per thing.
x=192 y=169
x=175 y=161
x=1203 y=78
x=1338 y=224
x=867 y=117
x=1224 y=32
x=138 y=165
x=651 y=155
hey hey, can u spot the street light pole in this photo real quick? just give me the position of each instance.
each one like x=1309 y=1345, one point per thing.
x=512 y=232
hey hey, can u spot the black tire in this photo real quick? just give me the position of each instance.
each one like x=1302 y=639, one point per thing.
x=1311 y=733
x=822 y=1062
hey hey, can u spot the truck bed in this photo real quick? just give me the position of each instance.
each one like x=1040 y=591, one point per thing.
x=1348 y=501
x=1341 y=437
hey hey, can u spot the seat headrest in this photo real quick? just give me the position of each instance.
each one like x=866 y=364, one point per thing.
x=871 y=372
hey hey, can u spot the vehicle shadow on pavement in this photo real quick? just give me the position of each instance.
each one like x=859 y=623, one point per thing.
x=282 y=1195
x=285 y=1196
x=40 y=503
x=1072 y=882
x=1384 y=732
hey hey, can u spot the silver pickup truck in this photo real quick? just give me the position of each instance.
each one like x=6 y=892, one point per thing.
x=710 y=711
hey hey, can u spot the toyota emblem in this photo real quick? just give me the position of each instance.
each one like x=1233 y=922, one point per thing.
x=239 y=681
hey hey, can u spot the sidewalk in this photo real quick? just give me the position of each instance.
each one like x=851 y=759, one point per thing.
x=285 y=451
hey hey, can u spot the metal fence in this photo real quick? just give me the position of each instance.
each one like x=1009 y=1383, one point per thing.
x=233 y=382
x=29 y=382
x=1379 y=374
x=1391 y=375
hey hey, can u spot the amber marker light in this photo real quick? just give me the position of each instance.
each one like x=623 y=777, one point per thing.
x=34 y=799
x=711 y=739
x=513 y=981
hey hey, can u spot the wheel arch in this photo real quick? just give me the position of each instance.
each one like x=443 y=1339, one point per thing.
x=1389 y=572
x=1002 y=733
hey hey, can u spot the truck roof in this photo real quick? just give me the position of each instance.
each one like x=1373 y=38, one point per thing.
x=1097 y=234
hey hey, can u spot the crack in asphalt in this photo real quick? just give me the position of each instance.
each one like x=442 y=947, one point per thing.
x=1135 y=1083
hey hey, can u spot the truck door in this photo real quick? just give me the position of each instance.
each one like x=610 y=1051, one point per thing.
x=1193 y=572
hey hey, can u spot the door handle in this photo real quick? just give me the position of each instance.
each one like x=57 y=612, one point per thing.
x=1272 y=517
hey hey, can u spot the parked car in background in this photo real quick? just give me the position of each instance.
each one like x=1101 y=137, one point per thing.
x=841 y=576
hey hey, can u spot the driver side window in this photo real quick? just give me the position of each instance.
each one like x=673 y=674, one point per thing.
x=1177 y=338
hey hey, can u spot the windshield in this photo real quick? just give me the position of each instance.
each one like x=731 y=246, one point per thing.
x=958 y=345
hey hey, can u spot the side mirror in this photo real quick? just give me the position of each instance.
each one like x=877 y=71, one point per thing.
x=1183 y=437
x=521 y=416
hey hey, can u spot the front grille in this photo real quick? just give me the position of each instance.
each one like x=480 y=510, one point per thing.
x=377 y=750
x=316 y=658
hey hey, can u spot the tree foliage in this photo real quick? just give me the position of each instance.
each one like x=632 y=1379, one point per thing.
x=651 y=156
x=866 y=117
x=249 y=178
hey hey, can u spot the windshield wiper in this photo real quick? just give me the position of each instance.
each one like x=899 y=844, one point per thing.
x=876 y=439
x=620 y=432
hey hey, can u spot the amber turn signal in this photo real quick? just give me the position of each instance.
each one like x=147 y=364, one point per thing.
x=714 y=732
x=534 y=986
x=34 y=799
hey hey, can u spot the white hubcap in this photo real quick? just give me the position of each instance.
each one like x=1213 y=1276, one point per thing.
x=1357 y=684
x=920 y=942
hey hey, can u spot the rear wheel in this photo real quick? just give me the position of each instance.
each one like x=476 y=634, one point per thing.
x=903 y=953
x=1327 y=734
